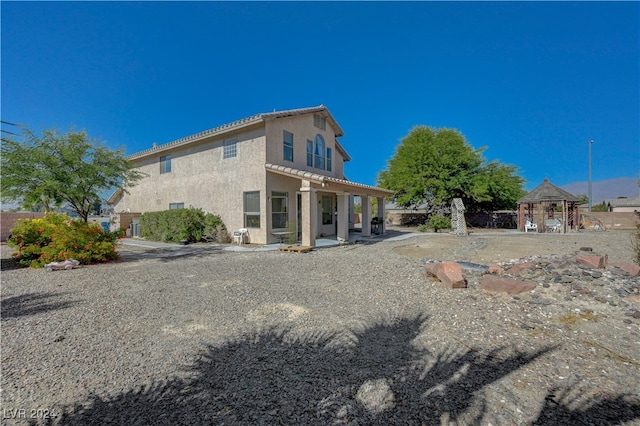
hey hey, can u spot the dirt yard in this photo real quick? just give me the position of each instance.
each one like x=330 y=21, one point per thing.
x=496 y=247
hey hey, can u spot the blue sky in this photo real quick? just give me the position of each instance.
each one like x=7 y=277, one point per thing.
x=533 y=82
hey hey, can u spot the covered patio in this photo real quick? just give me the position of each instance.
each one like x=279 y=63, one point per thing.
x=313 y=185
x=548 y=208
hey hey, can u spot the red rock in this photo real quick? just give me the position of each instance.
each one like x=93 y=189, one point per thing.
x=519 y=267
x=449 y=273
x=508 y=285
x=630 y=268
x=595 y=262
x=495 y=269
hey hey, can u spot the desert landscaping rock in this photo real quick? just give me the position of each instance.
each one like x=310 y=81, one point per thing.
x=507 y=285
x=596 y=262
x=449 y=273
x=345 y=335
x=631 y=269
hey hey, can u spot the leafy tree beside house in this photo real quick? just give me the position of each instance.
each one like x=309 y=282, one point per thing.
x=434 y=166
x=54 y=168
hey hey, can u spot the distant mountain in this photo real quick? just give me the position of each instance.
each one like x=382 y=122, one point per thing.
x=604 y=189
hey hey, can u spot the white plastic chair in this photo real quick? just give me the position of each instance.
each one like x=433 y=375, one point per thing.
x=240 y=235
x=529 y=226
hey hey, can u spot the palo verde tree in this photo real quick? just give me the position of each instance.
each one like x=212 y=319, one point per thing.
x=433 y=166
x=52 y=169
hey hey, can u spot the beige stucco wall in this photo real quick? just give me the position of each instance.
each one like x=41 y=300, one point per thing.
x=303 y=129
x=200 y=177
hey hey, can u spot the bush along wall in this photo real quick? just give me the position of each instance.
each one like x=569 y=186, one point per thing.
x=57 y=237
x=191 y=225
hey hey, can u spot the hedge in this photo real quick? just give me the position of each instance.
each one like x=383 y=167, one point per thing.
x=191 y=225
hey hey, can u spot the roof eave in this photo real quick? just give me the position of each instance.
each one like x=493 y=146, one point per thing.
x=216 y=131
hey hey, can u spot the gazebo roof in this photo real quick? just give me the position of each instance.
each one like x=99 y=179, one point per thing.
x=547 y=191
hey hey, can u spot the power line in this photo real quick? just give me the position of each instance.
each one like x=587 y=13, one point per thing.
x=10 y=124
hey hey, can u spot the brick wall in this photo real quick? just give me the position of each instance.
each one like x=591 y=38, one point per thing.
x=8 y=219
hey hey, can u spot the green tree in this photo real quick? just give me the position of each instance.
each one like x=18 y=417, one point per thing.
x=53 y=168
x=434 y=166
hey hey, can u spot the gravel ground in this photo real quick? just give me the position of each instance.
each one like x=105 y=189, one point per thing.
x=355 y=334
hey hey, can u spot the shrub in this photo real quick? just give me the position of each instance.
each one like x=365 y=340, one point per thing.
x=422 y=228
x=57 y=237
x=177 y=225
x=438 y=222
x=292 y=227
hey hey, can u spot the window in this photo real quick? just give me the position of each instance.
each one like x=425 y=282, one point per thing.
x=279 y=202
x=309 y=153
x=287 y=145
x=165 y=164
x=251 y=201
x=328 y=159
x=175 y=206
x=327 y=210
x=320 y=122
x=319 y=152
x=230 y=150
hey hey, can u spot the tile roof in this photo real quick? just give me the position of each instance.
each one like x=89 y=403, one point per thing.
x=245 y=122
x=547 y=191
x=322 y=179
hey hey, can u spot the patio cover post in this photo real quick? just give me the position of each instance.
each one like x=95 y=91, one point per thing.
x=343 y=215
x=366 y=216
x=309 y=214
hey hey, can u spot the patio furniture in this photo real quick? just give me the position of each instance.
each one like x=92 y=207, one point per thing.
x=240 y=235
x=282 y=235
x=529 y=226
x=553 y=225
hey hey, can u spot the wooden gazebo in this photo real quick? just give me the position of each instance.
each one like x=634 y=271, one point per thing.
x=549 y=207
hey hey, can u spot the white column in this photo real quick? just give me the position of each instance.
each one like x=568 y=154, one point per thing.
x=343 y=216
x=366 y=216
x=309 y=214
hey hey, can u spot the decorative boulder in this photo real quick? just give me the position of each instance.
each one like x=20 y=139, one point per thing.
x=508 y=285
x=449 y=273
x=592 y=261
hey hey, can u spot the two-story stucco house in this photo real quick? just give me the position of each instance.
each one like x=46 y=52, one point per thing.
x=263 y=173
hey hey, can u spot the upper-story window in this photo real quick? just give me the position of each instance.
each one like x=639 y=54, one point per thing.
x=230 y=150
x=329 y=154
x=309 y=153
x=165 y=164
x=320 y=122
x=319 y=153
x=287 y=145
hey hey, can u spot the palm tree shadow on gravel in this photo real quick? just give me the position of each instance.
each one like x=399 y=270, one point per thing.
x=31 y=304
x=377 y=375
